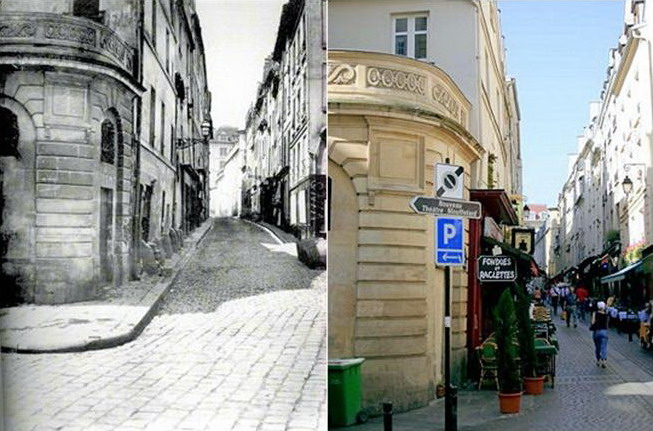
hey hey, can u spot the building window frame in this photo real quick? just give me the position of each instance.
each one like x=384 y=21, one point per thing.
x=411 y=30
x=108 y=142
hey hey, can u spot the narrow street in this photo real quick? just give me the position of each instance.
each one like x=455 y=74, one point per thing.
x=239 y=343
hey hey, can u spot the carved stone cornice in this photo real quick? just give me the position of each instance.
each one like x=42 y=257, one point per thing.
x=341 y=74
x=396 y=79
x=398 y=82
x=48 y=34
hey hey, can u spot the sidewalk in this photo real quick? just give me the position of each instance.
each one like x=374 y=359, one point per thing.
x=117 y=317
x=585 y=397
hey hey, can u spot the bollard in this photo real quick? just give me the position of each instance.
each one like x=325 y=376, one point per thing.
x=451 y=409
x=387 y=416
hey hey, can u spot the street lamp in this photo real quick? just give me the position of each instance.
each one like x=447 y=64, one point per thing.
x=627 y=183
x=206 y=128
x=527 y=212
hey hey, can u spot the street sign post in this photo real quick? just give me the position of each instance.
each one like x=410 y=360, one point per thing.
x=446 y=207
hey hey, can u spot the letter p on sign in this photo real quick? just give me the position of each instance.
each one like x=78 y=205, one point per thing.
x=449 y=233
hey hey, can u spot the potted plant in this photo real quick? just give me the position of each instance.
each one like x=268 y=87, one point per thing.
x=533 y=384
x=505 y=329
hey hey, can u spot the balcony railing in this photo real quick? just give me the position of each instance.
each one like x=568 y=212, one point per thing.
x=46 y=34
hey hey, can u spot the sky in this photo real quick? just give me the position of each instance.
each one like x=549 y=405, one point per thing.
x=558 y=53
x=238 y=35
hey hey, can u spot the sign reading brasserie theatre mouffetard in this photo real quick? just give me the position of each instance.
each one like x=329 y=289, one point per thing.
x=496 y=268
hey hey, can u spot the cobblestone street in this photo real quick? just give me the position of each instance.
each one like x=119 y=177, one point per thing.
x=239 y=344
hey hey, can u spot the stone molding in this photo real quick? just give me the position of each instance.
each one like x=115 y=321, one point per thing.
x=341 y=74
x=395 y=81
x=60 y=32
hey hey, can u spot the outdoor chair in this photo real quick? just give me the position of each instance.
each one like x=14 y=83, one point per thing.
x=487 y=355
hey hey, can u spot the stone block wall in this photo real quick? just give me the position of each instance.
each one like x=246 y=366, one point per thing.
x=65 y=114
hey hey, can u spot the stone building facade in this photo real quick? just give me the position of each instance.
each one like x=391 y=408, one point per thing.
x=72 y=91
x=388 y=304
x=226 y=141
x=388 y=128
x=615 y=145
x=285 y=165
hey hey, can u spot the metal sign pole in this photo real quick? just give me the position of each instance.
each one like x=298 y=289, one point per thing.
x=451 y=398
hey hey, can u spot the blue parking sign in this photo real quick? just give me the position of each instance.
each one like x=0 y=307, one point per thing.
x=449 y=247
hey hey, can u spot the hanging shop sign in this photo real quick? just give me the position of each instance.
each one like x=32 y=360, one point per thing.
x=496 y=268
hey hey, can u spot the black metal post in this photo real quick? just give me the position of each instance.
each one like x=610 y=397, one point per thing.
x=387 y=416
x=451 y=398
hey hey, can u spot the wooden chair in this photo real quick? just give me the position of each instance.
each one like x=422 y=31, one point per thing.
x=487 y=356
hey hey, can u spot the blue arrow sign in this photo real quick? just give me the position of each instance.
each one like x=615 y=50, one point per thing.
x=449 y=247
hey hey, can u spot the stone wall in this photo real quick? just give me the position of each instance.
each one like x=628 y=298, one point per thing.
x=386 y=299
x=66 y=111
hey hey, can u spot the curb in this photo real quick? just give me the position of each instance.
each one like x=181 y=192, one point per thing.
x=118 y=340
x=260 y=226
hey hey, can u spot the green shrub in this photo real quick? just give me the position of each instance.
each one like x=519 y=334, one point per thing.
x=505 y=327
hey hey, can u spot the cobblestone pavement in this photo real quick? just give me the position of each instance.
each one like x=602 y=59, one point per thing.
x=585 y=397
x=232 y=349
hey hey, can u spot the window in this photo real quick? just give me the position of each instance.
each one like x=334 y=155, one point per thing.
x=87 y=9
x=9 y=133
x=223 y=151
x=163 y=211
x=163 y=127
x=154 y=23
x=410 y=36
x=167 y=51
x=152 y=115
x=108 y=142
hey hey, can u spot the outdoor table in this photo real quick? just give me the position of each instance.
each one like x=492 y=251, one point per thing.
x=547 y=360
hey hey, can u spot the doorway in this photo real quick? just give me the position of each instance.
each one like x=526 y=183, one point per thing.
x=106 y=233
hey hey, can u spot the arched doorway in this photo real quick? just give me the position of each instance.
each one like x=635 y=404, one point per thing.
x=16 y=204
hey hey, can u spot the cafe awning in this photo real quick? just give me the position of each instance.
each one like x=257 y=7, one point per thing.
x=496 y=204
x=621 y=274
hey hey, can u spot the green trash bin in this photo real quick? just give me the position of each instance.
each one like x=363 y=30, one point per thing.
x=345 y=394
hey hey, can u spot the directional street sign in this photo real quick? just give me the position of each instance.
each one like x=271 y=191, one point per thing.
x=449 y=247
x=449 y=181
x=446 y=207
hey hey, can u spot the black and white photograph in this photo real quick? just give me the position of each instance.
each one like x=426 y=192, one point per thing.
x=163 y=224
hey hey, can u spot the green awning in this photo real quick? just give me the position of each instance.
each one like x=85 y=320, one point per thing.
x=621 y=274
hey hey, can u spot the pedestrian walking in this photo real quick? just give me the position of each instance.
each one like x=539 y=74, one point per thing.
x=599 y=328
x=571 y=301
x=583 y=301
x=563 y=292
x=554 y=294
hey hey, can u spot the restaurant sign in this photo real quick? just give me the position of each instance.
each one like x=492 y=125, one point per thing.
x=496 y=268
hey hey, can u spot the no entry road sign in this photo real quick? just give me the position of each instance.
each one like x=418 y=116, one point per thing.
x=449 y=247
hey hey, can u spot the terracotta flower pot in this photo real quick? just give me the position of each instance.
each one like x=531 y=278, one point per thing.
x=534 y=385
x=509 y=403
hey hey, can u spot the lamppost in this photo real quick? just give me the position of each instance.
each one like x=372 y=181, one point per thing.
x=207 y=132
x=627 y=183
